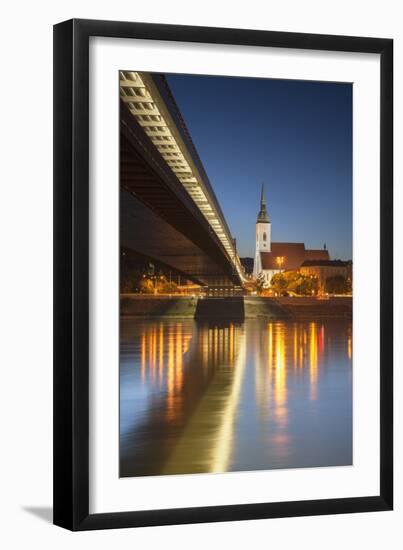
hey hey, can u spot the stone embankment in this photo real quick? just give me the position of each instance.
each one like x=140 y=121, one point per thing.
x=143 y=305
x=237 y=308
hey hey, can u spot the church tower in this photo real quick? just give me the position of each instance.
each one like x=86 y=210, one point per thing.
x=263 y=235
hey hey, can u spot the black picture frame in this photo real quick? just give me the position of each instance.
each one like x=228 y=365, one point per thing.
x=71 y=274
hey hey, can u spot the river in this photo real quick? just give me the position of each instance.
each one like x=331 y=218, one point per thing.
x=198 y=397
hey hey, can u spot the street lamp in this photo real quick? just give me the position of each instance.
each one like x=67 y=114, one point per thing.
x=280 y=261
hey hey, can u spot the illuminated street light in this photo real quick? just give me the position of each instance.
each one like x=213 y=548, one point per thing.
x=280 y=261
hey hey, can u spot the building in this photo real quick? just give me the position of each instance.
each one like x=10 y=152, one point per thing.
x=247 y=264
x=324 y=269
x=274 y=257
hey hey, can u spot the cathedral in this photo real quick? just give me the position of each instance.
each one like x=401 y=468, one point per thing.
x=274 y=257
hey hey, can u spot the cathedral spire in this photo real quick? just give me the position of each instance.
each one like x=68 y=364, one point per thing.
x=263 y=216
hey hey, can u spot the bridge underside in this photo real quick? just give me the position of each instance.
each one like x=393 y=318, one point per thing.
x=147 y=234
x=159 y=220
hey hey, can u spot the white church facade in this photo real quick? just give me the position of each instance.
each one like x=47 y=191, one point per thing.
x=274 y=257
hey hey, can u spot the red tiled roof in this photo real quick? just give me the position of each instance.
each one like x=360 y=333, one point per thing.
x=319 y=263
x=320 y=254
x=293 y=254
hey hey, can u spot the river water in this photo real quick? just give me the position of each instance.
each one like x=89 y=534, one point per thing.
x=200 y=397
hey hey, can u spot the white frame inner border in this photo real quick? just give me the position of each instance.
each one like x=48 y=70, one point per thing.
x=108 y=493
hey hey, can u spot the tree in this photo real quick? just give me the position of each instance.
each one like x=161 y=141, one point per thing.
x=337 y=284
x=166 y=287
x=261 y=282
x=279 y=282
x=294 y=281
x=147 y=286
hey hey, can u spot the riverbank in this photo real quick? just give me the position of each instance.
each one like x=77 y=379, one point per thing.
x=143 y=305
x=306 y=308
x=236 y=308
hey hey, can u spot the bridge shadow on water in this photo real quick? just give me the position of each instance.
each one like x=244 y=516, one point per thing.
x=228 y=308
x=182 y=424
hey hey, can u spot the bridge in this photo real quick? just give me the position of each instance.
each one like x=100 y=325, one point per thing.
x=168 y=210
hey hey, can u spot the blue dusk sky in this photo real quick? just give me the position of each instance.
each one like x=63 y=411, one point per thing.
x=295 y=136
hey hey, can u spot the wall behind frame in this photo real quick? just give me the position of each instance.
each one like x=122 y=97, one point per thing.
x=26 y=246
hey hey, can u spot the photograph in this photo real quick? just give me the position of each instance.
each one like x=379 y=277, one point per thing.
x=236 y=274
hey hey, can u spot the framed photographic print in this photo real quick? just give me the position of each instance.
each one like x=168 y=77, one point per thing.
x=223 y=320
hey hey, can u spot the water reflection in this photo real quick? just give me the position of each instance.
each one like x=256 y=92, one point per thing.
x=213 y=398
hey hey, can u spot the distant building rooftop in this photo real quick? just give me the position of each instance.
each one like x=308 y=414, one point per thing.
x=293 y=256
x=319 y=263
